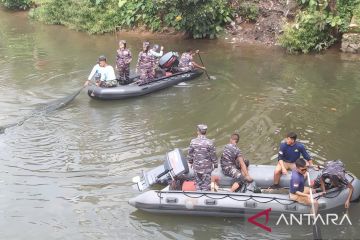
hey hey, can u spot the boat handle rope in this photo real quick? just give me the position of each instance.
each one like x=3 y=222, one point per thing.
x=159 y=194
x=278 y=200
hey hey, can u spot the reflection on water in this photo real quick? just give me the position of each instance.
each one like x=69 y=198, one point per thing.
x=68 y=173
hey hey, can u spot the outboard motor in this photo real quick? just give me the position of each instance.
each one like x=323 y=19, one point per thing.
x=169 y=60
x=174 y=166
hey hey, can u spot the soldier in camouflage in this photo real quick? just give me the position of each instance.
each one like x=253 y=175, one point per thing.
x=123 y=59
x=202 y=158
x=233 y=164
x=145 y=65
x=333 y=174
x=186 y=62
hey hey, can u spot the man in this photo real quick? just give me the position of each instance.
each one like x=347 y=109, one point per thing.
x=123 y=59
x=289 y=152
x=145 y=65
x=233 y=164
x=298 y=191
x=186 y=62
x=154 y=51
x=202 y=158
x=103 y=73
x=334 y=174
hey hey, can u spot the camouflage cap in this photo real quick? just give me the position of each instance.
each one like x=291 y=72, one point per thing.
x=202 y=127
x=101 y=58
x=146 y=44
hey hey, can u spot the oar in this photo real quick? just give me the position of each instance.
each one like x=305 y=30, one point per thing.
x=203 y=65
x=316 y=228
x=46 y=108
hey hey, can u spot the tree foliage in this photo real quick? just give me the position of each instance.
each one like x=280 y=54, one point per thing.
x=199 y=18
x=17 y=4
x=318 y=25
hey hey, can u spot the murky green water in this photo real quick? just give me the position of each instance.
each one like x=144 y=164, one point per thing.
x=67 y=175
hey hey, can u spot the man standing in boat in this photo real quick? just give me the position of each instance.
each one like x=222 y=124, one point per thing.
x=186 y=62
x=145 y=64
x=123 y=59
x=233 y=164
x=103 y=73
x=289 y=151
x=202 y=158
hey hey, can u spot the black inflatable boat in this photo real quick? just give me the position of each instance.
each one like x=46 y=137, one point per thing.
x=134 y=90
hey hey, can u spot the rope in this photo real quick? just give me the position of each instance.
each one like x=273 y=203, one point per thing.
x=231 y=196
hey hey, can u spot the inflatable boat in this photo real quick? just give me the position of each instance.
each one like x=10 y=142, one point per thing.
x=168 y=63
x=135 y=90
x=224 y=203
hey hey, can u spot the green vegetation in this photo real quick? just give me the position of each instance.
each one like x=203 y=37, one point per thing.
x=249 y=10
x=199 y=18
x=318 y=25
x=17 y=4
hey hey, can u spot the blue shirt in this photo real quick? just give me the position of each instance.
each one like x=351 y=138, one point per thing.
x=290 y=154
x=297 y=182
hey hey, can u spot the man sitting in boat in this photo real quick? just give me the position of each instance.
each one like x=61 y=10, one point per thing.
x=298 y=191
x=333 y=175
x=123 y=59
x=158 y=72
x=145 y=65
x=289 y=152
x=103 y=73
x=186 y=62
x=202 y=158
x=233 y=164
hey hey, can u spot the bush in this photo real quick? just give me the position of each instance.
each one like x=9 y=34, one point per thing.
x=200 y=18
x=310 y=32
x=249 y=10
x=17 y=4
x=319 y=25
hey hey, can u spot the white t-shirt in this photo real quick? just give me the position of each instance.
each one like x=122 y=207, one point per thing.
x=107 y=73
x=156 y=54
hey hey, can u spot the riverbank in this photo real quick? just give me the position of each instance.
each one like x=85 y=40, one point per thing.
x=298 y=27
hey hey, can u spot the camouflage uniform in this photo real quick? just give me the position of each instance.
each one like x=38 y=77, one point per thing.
x=202 y=156
x=123 y=59
x=335 y=171
x=230 y=165
x=185 y=63
x=145 y=66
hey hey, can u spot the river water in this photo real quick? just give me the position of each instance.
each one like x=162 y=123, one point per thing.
x=67 y=174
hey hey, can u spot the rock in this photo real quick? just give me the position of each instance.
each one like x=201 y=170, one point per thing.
x=350 y=43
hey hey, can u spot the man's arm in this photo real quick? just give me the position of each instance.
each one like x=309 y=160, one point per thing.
x=322 y=185
x=302 y=194
x=213 y=155
x=351 y=189
x=197 y=65
x=190 y=156
x=130 y=57
x=306 y=155
x=91 y=75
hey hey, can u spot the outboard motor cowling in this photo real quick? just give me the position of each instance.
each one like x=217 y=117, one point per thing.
x=174 y=166
x=169 y=60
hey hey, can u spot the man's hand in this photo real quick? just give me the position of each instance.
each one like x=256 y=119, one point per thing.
x=347 y=204
x=284 y=171
x=86 y=83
